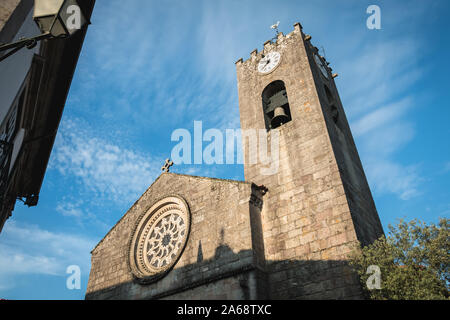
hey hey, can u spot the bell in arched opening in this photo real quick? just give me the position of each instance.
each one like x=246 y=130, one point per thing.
x=276 y=105
x=280 y=117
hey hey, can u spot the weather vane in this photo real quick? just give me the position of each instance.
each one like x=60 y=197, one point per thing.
x=275 y=27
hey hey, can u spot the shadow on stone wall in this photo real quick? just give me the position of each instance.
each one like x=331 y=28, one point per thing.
x=284 y=279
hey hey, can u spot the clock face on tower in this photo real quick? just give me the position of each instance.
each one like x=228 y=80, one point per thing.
x=269 y=62
x=321 y=66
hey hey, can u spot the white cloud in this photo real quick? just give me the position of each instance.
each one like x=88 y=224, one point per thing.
x=390 y=177
x=447 y=167
x=108 y=170
x=378 y=101
x=28 y=249
x=69 y=209
x=387 y=140
x=182 y=68
x=381 y=117
x=200 y=171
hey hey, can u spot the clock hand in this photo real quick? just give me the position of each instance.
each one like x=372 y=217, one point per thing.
x=266 y=64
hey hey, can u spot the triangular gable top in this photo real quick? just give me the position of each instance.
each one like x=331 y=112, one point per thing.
x=153 y=184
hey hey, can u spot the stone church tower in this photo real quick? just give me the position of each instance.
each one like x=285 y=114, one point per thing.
x=281 y=236
x=319 y=203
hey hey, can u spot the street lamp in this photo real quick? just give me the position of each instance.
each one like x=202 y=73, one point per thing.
x=60 y=18
x=55 y=19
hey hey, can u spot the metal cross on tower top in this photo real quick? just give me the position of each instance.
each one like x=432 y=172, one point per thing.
x=167 y=165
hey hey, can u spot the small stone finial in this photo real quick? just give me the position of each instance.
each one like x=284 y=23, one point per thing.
x=167 y=165
x=280 y=36
x=263 y=189
x=298 y=26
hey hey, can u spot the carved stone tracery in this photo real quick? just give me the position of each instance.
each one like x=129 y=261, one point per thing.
x=159 y=239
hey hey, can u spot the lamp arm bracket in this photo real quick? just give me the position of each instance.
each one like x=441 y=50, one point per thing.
x=28 y=42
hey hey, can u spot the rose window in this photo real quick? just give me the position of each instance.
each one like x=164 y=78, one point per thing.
x=159 y=239
x=165 y=240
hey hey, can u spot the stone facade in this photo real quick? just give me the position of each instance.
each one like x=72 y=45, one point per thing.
x=222 y=248
x=290 y=241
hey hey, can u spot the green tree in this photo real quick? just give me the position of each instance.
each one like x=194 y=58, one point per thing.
x=413 y=262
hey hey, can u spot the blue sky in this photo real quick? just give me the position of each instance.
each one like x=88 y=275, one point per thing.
x=150 y=67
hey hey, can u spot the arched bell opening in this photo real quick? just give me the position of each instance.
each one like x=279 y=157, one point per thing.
x=334 y=114
x=276 y=105
x=332 y=105
x=330 y=96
